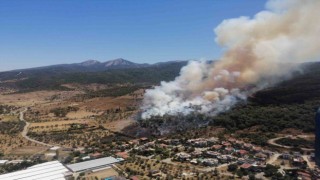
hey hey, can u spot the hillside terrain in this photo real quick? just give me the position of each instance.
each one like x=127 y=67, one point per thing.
x=96 y=112
x=112 y=98
x=73 y=105
x=290 y=105
x=113 y=72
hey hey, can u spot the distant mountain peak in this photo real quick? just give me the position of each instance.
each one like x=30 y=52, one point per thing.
x=119 y=62
x=90 y=62
x=87 y=66
x=119 y=59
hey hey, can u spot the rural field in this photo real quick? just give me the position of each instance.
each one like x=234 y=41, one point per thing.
x=160 y=90
x=64 y=118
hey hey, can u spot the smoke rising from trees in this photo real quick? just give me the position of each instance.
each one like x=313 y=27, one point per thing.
x=285 y=33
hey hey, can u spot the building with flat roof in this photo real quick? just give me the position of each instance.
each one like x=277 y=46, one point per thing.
x=54 y=148
x=93 y=164
x=3 y=161
x=53 y=170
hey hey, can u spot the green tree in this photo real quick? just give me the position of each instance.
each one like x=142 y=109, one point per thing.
x=232 y=167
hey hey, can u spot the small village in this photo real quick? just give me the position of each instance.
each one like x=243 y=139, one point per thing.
x=210 y=158
x=218 y=156
x=230 y=157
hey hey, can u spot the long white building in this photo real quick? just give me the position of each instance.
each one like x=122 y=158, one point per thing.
x=93 y=164
x=53 y=170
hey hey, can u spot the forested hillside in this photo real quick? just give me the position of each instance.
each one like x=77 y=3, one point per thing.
x=44 y=79
x=290 y=104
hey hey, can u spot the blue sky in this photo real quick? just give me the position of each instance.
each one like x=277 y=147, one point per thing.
x=44 y=32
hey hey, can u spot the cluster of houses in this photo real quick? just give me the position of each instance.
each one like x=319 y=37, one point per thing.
x=212 y=152
x=295 y=159
x=209 y=151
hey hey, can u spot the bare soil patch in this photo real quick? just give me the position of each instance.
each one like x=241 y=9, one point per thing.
x=27 y=150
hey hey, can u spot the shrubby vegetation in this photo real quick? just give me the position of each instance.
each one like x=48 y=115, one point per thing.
x=6 y=109
x=11 y=127
x=269 y=118
x=178 y=123
x=232 y=167
x=297 y=143
x=63 y=111
x=290 y=104
x=52 y=79
x=81 y=136
x=113 y=92
x=261 y=139
x=272 y=171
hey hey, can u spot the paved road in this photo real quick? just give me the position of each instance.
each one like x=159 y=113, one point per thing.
x=26 y=128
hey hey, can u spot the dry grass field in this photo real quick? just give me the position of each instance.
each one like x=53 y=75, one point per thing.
x=55 y=125
x=86 y=124
x=101 y=174
x=6 y=118
x=17 y=147
x=27 y=150
x=71 y=139
x=143 y=168
x=32 y=98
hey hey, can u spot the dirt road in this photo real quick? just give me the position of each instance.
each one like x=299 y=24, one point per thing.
x=273 y=142
x=311 y=165
x=273 y=158
x=26 y=128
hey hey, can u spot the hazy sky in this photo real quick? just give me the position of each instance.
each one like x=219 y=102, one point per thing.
x=43 y=32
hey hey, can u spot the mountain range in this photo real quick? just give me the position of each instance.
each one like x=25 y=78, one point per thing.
x=95 y=65
x=91 y=71
x=111 y=64
x=86 y=66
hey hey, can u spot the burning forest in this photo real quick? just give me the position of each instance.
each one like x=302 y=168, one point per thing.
x=258 y=53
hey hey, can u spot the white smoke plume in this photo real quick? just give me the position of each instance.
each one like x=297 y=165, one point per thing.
x=287 y=32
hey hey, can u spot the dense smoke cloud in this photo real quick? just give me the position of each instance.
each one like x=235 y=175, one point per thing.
x=287 y=32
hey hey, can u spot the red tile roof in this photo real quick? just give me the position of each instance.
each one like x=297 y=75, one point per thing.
x=245 y=166
x=123 y=155
x=96 y=154
x=134 y=178
x=216 y=146
x=243 y=151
